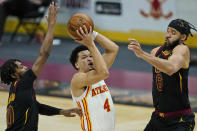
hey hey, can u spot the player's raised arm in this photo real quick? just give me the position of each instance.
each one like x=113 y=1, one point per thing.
x=48 y=40
x=96 y=66
x=179 y=58
x=111 y=49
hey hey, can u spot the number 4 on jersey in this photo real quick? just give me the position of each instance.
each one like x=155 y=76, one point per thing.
x=106 y=105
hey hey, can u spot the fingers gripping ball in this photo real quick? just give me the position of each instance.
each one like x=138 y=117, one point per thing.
x=76 y=21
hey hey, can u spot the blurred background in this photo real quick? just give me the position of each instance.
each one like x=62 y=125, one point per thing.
x=23 y=28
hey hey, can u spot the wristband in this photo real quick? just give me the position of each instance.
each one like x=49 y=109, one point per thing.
x=94 y=34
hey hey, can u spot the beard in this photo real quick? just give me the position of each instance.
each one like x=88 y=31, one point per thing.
x=170 y=46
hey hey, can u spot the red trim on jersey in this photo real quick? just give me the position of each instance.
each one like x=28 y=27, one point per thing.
x=82 y=118
x=158 y=50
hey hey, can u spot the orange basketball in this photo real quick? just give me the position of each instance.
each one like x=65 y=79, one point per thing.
x=76 y=21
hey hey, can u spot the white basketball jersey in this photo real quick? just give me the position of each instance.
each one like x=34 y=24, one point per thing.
x=97 y=108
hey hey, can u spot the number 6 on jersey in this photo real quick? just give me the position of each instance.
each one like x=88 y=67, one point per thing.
x=106 y=105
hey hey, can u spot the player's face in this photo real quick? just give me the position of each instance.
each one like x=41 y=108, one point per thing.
x=85 y=61
x=173 y=36
x=20 y=70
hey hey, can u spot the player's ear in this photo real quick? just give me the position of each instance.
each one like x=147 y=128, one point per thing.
x=183 y=37
x=77 y=65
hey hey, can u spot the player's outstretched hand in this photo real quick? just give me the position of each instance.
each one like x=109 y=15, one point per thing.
x=135 y=47
x=71 y=112
x=52 y=13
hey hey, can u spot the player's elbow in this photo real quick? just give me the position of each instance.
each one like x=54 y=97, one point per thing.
x=171 y=70
x=170 y=73
x=105 y=74
x=116 y=48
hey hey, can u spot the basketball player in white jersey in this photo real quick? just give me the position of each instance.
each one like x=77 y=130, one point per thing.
x=89 y=91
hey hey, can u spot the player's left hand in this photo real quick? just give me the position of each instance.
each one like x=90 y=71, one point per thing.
x=52 y=13
x=71 y=112
x=135 y=47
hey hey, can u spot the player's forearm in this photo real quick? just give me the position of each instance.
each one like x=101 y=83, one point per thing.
x=48 y=110
x=161 y=64
x=99 y=63
x=47 y=43
x=44 y=52
x=106 y=43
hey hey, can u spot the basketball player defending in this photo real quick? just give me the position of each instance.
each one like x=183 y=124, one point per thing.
x=89 y=91
x=170 y=79
x=23 y=109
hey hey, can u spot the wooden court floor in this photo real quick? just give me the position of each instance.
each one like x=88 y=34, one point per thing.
x=128 y=118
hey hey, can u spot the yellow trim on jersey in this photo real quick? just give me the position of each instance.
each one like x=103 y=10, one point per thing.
x=181 y=86
x=12 y=114
x=85 y=104
x=26 y=113
x=181 y=120
x=15 y=83
x=10 y=120
x=82 y=118
x=11 y=98
x=166 y=53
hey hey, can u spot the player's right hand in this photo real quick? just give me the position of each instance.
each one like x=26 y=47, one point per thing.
x=135 y=47
x=71 y=112
x=86 y=37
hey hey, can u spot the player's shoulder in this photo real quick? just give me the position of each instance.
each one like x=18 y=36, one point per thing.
x=182 y=48
x=29 y=74
x=77 y=77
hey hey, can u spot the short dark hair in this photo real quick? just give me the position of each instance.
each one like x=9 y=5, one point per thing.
x=182 y=26
x=7 y=70
x=74 y=54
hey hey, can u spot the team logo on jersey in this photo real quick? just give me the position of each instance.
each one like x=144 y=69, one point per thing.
x=99 y=90
x=156 y=10
x=159 y=82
